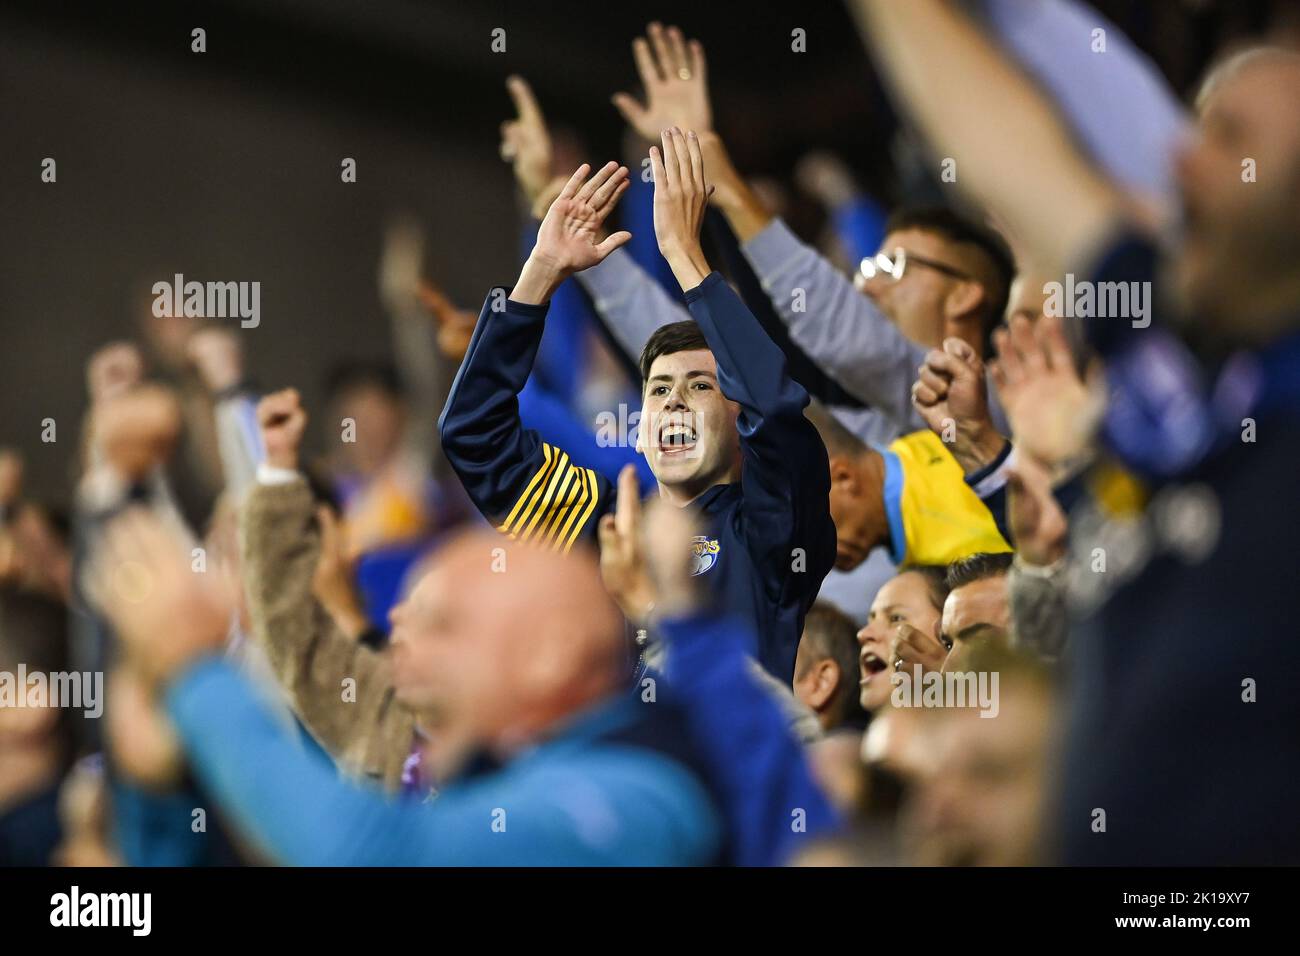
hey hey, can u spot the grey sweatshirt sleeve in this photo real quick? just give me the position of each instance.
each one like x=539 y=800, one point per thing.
x=839 y=328
x=632 y=303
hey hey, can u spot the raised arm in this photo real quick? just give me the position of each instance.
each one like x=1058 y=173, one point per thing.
x=1120 y=106
x=628 y=299
x=295 y=808
x=1014 y=156
x=367 y=731
x=530 y=489
x=785 y=507
x=843 y=333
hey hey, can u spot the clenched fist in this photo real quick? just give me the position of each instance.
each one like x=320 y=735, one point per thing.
x=282 y=421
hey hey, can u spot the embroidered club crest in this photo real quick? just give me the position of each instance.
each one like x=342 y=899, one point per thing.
x=704 y=554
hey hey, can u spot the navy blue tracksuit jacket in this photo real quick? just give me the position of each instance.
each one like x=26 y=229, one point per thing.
x=768 y=539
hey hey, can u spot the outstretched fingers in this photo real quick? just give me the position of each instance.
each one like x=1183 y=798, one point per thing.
x=588 y=190
x=603 y=199
x=570 y=189
x=696 y=160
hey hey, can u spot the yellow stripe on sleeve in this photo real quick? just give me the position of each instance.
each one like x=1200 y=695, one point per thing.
x=528 y=494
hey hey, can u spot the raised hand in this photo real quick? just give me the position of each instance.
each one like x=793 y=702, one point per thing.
x=455 y=325
x=910 y=646
x=568 y=240
x=526 y=142
x=1053 y=412
x=681 y=198
x=952 y=397
x=675 y=78
x=1039 y=528
x=166 y=614
x=282 y=421
x=669 y=531
x=11 y=477
x=113 y=369
x=137 y=429
x=623 y=565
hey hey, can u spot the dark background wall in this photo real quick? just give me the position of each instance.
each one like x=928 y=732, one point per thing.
x=225 y=165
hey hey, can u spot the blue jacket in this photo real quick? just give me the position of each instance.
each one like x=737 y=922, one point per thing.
x=768 y=539
x=617 y=786
x=756 y=766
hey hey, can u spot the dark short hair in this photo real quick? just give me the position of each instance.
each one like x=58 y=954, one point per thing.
x=363 y=373
x=977 y=567
x=682 y=336
x=829 y=633
x=936 y=581
x=957 y=228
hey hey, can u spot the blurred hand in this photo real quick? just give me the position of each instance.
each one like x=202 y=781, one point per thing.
x=525 y=141
x=568 y=240
x=681 y=197
x=910 y=646
x=139 y=735
x=165 y=614
x=455 y=325
x=952 y=398
x=675 y=78
x=1054 y=414
x=1039 y=528
x=623 y=565
x=331 y=582
x=218 y=358
x=137 y=430
x=282 y=421
x=113 y=370
x=11 y=477
x=669 y=532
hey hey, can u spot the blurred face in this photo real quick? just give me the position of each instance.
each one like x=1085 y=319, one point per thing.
x=904 y=599
x=444 y=660
x=498 y=642
x=1027 y=297
x=973 y=613
x=688 y=428
x=379 y=421
x=918 y=303
x=1240 y=237
x=983 y=804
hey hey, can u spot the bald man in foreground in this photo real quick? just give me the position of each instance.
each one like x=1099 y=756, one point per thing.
x=513 y=660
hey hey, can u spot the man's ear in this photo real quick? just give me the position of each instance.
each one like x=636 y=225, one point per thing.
x=828 y=678
x=965 y=297
x=843 y=474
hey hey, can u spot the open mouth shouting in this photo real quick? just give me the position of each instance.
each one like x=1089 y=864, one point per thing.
x=676 y=436
x=871 y=664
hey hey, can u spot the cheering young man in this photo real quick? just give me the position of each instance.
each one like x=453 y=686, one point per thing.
x=722 y=423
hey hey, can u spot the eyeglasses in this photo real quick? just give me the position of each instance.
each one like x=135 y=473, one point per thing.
x=894 y=267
